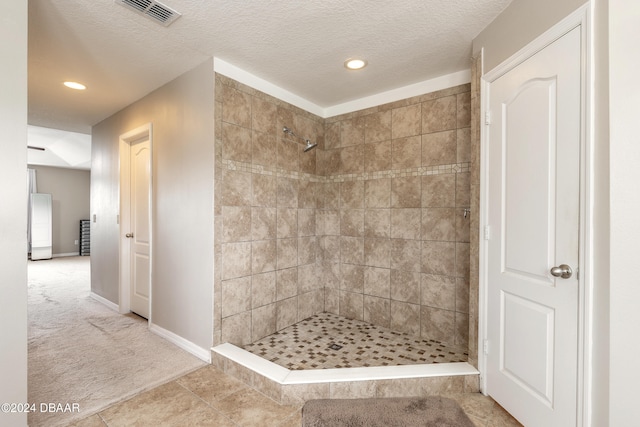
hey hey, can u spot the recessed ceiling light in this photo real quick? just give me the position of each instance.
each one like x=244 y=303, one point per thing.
x=355 y=63
x=75 y=85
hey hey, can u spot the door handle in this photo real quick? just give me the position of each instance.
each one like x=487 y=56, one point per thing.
x=563 y=271
x=128 y=235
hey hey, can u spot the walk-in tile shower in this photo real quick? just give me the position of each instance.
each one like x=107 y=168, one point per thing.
x=370 y=227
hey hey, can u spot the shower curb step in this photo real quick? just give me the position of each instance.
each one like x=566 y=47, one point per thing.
x=294 y=387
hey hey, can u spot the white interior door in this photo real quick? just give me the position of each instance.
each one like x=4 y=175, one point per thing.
x=533 y=215
x=140 y=231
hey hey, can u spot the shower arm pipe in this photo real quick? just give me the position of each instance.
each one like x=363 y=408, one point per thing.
x=309 y=145
x=290 y=132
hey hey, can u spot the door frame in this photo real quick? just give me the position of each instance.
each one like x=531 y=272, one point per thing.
x=582 y=18
x=124 y=217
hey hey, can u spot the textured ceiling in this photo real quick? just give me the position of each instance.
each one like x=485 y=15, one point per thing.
x=299 y=46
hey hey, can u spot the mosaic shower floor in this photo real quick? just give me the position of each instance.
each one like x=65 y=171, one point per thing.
x=328 y=341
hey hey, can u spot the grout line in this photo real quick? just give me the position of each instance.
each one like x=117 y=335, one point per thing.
x=102 y=419
x=208 y=403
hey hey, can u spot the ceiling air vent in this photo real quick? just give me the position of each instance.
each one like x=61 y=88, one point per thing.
x=152 y=9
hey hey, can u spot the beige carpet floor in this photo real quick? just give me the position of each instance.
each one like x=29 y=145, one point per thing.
x=81 y=352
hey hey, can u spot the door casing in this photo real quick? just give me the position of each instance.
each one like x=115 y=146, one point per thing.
x=124 y=218
x=582 y=18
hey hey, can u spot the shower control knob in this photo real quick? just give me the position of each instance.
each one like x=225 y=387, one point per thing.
x=563 y=271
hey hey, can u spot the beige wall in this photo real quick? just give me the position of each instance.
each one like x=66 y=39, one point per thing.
x=13 y=220
x=520 y=23
x=181 y=113
x=368 y=225
x=69 y=189
x=624 y=110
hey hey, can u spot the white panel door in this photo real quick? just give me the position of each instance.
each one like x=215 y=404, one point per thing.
x=533 y=214
x=140 y=206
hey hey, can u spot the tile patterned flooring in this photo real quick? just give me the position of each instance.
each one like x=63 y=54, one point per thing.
x=330 y=341
x=208 y=397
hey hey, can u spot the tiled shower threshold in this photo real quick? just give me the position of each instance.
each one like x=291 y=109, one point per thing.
x=327 y=348
x=284 y=376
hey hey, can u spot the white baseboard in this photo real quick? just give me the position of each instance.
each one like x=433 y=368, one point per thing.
x=65 y=254
x=112 y=305
x=184 y=344
x=200 y=353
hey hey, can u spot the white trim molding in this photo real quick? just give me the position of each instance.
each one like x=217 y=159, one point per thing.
x=66 y=254
x=112 y=305
x=397 y=94
x=420 y=88
x=186 y=345
x=244 y=77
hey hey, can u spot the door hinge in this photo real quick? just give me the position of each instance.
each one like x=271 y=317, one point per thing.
x=487 y=232
x=487 y=117
x=485 y=347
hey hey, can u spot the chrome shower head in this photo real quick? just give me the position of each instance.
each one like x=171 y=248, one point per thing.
x=309 y=146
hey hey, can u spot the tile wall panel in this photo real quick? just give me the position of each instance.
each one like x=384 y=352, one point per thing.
x=369 y=225
x=266 y=200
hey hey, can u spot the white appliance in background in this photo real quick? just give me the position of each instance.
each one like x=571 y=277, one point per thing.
x=40 y=226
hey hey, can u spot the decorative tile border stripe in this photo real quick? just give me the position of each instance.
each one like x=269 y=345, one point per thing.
x=271 y=171
x=393 y=173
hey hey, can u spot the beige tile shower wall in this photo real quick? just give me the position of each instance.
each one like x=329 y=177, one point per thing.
x=369 y=225
x=265 y=214
x=393 y=238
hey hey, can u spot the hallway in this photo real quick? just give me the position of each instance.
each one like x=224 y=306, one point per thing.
x=81 y=352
